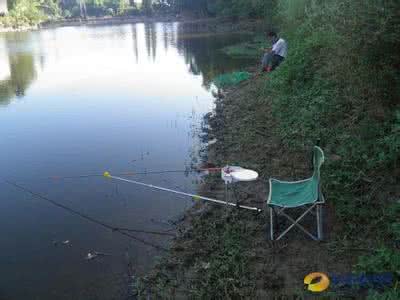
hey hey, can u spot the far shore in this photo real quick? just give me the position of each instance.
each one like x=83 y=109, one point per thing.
x=221 y=24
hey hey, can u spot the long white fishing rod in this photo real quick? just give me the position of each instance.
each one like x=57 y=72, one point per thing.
x=196 y=197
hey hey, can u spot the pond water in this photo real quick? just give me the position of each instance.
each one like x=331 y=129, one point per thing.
x=84 y=100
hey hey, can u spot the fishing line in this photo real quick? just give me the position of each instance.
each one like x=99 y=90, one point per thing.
x=122 y=174
x=148 y=232
x=88 y=218
x=138 y=173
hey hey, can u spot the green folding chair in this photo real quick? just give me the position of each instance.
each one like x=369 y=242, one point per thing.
x=285 y=194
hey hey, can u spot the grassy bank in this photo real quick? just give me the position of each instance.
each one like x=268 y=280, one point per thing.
x=226 y=253
x=338 y=87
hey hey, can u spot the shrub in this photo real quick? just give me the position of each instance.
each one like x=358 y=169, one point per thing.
x=110 y=11
x=75 y=11
x=67 y=14
x=23 y=13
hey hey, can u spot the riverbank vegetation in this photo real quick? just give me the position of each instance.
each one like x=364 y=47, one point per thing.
x=231 y=8
x=340 y=86
x=23 y=13
x=33 y=12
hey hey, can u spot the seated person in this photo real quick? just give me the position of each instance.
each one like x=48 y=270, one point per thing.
x=275 y=55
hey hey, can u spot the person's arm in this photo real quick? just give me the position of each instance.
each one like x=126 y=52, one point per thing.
x=277 y=48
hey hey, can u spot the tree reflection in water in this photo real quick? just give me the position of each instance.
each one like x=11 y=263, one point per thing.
x=201 y=52
x=21 y=66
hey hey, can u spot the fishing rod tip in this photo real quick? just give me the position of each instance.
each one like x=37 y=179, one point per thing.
x=107 y=174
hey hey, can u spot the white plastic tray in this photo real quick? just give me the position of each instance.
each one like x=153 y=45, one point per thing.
x=235 y=174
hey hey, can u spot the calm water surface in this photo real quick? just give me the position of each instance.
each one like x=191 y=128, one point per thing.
x=83 y=100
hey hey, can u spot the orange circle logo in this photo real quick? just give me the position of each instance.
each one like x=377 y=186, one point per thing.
x=316 y=282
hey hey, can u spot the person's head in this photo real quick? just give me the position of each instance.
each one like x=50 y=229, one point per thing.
x=272 y=36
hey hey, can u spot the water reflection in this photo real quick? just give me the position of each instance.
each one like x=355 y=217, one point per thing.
x=17 y=69
x=135 y=42
x=151 y=39
x=204 y=56
x=200 y=52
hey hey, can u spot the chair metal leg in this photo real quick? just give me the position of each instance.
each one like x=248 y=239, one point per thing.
x=319 y=223
x=226 y=194
x=296 y=223
x=271 y=216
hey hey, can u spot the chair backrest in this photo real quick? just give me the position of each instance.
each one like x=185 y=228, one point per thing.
x=318 y=160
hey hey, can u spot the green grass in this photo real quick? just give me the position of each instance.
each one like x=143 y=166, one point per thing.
x=338 y=87
x=390 y=294
x=322 y=92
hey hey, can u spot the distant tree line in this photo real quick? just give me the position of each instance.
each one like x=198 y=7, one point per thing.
x=84 y=8
x=35 y=11
x=245 y=8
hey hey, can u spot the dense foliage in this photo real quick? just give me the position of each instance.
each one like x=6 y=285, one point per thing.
x=83 y=8
x=23 y=12
x=252 y=8
x=340 y=84
x=32 y=12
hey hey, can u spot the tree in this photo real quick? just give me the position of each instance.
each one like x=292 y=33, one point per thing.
x=250 y=8
x=50 y=7
x=122 y=6
x=147 y=7
x=82 y=7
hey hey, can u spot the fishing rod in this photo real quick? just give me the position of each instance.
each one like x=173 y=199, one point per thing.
x=193 y=196
x=88 y=218
x=146 y=231
x=138 y=173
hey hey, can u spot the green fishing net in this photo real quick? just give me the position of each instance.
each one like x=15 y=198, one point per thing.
x=231 y=79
